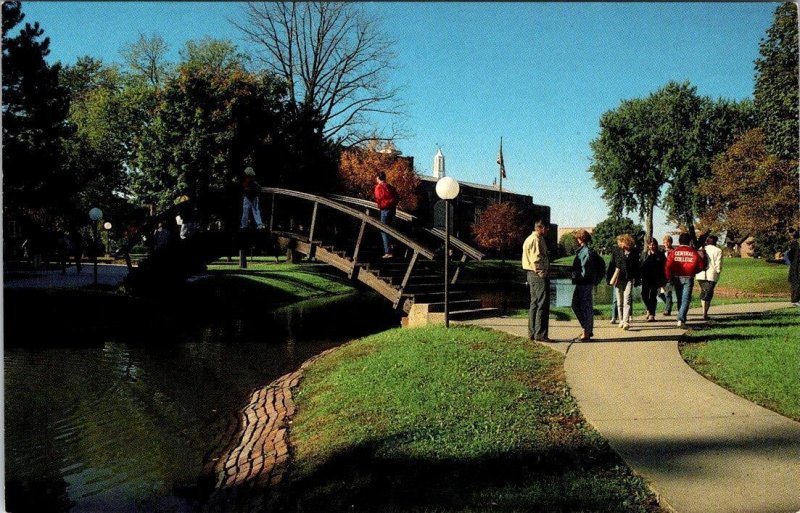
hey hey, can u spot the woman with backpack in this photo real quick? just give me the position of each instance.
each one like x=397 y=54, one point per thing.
x=585 y=273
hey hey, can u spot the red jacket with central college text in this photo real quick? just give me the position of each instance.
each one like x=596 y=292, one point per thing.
x=385 y=195
x=683 y=261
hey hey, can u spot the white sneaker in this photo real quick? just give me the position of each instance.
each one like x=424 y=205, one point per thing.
x=626 y=326
x=796 y=304
x=681 y=325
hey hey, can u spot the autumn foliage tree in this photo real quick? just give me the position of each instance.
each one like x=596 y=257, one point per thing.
x=752 y=192
x=358 y=167
x=500 y=227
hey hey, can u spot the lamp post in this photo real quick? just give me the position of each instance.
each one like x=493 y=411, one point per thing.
x=107 y=226
x=447 y=189
x=95 y=214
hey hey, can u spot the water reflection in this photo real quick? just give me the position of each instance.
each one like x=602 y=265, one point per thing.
x=124 y=425
x=515 y=296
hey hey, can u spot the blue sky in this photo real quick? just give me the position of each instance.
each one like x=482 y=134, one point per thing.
x=537 y=74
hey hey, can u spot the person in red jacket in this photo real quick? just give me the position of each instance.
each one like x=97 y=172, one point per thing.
x=682 y=264
x=386 y=200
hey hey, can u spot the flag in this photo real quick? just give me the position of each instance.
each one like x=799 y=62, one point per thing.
x=500 y=160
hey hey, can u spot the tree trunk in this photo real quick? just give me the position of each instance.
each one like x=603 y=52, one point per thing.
x=648 y=234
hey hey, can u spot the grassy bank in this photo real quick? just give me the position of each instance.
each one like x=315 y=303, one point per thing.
x=755 y=357
x=460 y=420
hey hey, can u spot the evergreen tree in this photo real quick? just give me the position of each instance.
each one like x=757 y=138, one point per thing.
x=776 y=89
x=35 y=108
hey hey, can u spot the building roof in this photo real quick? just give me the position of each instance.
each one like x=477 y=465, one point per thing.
x=493 y=188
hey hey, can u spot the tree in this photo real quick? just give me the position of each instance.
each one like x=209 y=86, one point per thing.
x=359 y=165
x=146 y=59
x=752 y=192
x=212 y=120
x=568 y=244
x=95 y=154
x=35 y=107
x=500 y=227
x=604 y=235
x=653 y=151
x=334 y=61
x=776 y=89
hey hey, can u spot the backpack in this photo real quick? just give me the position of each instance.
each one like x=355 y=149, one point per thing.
x=597 y=266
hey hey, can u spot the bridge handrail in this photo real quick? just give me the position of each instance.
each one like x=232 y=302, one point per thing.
x=353 y=213
x=405 y=216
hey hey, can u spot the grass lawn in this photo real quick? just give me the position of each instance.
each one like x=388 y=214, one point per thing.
x=286 y=281
x=755 y=357
x=455 y=420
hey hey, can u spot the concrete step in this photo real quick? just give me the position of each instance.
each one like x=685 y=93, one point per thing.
x=434 y=296
x=458 y=304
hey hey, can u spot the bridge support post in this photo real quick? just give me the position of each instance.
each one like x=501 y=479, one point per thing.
x=242 y=259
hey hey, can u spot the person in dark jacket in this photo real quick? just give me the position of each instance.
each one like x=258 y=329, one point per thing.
x=794 y=267
x=626 y=276
x=653 y=277
x=583 y=277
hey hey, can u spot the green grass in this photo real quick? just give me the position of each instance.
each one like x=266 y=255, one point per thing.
x=750 y=276
x=755 y=357
x=287 y=281
x=464 y=419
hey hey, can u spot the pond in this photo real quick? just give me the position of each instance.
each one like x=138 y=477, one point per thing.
x=514 y=296
x=124 y=424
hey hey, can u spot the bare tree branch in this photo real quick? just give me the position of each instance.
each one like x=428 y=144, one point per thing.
x=334 y=60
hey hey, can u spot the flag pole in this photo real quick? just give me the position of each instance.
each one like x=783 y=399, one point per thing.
x=500 y=161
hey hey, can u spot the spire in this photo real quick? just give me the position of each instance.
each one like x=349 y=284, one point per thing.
x=438 y=165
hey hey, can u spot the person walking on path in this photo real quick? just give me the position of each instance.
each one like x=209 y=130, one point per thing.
x=666 y=290
x=536 y=261
x=250 y=203
x=626 y=276
x=653 y=277
x=609 y=275
x=708 y=277
x=386 y=200
x=583 y=276
x=682 y=265
x=793 y=256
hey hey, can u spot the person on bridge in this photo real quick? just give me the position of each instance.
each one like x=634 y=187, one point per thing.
x=386 y=200
x=683 y=263
x=536 y=260
x=250 y=200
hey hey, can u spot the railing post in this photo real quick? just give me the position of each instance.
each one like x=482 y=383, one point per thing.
x=358 y=246
x=313 y=222
x=272 y=214
x=458 y=269
x=409 y=270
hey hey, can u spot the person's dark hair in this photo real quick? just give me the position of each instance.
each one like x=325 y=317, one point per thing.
x=654 y=241
x=684 y=239
x=711 y=240
x=381 y=176
x=540 y=224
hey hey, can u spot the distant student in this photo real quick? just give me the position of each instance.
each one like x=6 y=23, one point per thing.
x=250 y=203
x=626 y=277
x=709 y=277
x=653 y=277
x=666 y=290
x=584 y=273
x=386 y=200
x=536 y=261
x=682 y=265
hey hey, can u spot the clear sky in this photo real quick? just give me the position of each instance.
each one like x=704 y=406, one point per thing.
x=537 y=74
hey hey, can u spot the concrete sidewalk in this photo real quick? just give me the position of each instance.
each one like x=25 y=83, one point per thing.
x=701 y=448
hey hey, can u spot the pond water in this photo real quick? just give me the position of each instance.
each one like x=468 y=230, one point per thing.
x=124 y=425
x=517 y=296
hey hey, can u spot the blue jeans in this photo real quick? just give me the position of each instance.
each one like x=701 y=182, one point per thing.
x=387 y=217
x=582 y=306
x=666 y=297
x=613 y=304
x=683 y=292
x=250 y=206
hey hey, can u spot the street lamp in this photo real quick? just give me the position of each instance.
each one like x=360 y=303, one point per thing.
x=447 y=189
x=95 y=214
x=107 y=226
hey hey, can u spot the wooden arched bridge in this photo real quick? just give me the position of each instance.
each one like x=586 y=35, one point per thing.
x=343 y=232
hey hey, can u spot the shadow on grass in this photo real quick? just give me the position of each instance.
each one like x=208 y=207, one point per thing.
x=584 y=478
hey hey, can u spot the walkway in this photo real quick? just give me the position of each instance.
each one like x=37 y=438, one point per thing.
x=701 y=448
